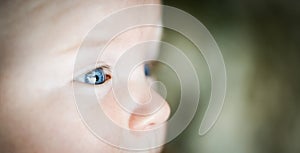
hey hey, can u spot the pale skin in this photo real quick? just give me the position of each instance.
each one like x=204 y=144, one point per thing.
x=39 y=42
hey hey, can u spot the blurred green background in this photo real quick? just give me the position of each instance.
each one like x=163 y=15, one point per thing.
x=260 y=43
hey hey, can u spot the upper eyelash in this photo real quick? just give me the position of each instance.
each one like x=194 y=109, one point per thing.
x=106 y=68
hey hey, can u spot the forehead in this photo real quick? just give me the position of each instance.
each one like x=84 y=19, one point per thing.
x=56 y=26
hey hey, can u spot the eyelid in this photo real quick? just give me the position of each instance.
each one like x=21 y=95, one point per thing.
x=106 y=68
x=151 y=64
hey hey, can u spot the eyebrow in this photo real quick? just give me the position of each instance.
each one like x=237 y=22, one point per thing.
x=77 y=45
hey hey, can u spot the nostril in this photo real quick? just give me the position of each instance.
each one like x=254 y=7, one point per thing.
x=140 y=122
x=137 y=122
x=150 y=126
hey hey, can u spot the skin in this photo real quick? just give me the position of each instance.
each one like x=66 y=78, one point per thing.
x=39 y=44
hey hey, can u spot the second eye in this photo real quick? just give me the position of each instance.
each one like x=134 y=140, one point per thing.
x=147 y=70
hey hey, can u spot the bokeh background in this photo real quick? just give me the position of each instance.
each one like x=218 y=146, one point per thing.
x=260 y=43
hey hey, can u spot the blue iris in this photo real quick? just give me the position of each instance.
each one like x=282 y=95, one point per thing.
x=147 y=70
x=97 y=76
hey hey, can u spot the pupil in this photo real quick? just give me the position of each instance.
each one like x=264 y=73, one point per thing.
x=97 y=78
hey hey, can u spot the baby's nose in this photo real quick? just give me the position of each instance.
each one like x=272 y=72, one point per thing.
x=146 y=107
x=152 y=110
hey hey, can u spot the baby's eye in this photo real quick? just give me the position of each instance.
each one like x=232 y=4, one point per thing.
x=94 y=77
x=147 y=70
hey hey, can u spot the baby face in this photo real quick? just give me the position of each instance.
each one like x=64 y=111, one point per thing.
x=39 y=45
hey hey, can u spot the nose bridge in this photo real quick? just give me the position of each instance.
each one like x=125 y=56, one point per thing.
x=140 y=92
x=138 y=86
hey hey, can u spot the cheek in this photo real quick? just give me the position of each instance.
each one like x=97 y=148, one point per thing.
x=45 y=122
x=114 y=111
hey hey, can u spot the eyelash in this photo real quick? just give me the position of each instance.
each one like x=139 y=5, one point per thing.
x=92 y=77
